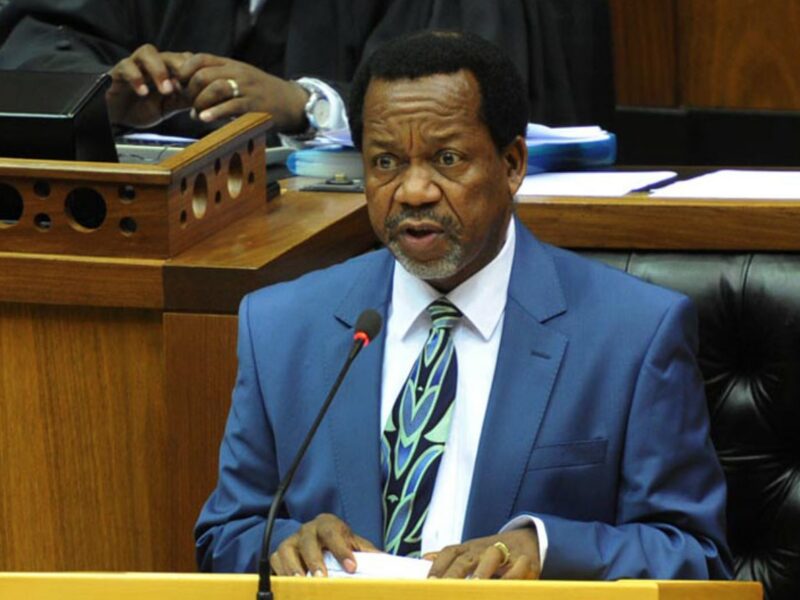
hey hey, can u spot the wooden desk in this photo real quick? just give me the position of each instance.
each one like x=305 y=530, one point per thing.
x=116 y=379
x=152 y=586
x=643 y=223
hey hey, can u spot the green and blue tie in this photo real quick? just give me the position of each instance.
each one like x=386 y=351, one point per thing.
x=414 y=437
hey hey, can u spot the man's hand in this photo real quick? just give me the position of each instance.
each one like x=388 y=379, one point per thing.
x=145 y=87
x=481 y=559
x=208 y=78
x=301 y=553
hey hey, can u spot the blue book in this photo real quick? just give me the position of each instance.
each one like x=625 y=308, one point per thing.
x=568 y=148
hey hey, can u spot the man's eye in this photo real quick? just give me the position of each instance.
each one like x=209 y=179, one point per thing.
x=385 y=162
x=448 y=158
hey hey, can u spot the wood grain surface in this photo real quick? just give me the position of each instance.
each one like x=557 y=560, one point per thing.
x=734 y=54
x=83 y=280
x=645 y=52
x=740 y=53
x=65 y=235
x=111 y=424
x=121 y=173
x=638 y=222
x=135 y=211
x=200 y=353
x=291 y=235
x=83 y=435
x=299 y=232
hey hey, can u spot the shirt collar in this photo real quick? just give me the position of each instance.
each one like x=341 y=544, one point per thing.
x=481 y=298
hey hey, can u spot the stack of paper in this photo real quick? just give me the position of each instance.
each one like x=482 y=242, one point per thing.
x=750 y=185
x=378 y=565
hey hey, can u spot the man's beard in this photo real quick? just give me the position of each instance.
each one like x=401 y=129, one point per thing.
x=441 y=268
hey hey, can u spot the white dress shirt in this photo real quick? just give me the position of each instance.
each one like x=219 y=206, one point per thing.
x=482 y=301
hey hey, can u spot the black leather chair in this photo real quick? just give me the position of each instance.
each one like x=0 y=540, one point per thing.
x=749 y=321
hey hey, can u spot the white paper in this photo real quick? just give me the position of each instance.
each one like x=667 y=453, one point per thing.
x=542 y=133
x=378 y=565
x=743 y=184
x=616 y=183
x=157 y=139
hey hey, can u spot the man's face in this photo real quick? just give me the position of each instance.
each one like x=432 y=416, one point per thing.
x=439 y=194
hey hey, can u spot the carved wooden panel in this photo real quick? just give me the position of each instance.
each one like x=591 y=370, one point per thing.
x=128 y=210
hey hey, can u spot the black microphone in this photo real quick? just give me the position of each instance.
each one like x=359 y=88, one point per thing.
x=368 y=325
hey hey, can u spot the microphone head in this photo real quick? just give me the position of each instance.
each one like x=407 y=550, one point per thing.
x=368 y=325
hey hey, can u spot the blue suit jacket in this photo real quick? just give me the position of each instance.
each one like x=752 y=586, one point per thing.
x=596 y=422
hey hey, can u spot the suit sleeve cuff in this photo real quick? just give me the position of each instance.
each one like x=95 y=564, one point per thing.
x=522 y=521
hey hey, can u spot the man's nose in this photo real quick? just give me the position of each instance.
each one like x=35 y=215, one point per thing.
x=418 y=186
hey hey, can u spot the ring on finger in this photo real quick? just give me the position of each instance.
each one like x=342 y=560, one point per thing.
x=234 y=88
x=504 y=551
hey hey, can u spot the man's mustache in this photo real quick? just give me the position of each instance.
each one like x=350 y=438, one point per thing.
x=448 y=224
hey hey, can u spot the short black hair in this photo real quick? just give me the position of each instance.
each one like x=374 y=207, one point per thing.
x=503 y=105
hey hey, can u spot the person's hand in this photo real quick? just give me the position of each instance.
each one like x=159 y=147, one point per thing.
x=482 y=559
x=145 y=87
x=221 y=87
x=301 y=553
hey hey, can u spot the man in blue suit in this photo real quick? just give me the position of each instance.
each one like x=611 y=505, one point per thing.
x=566 y=432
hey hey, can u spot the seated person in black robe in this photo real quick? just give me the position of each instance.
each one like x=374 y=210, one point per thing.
x=212 y=60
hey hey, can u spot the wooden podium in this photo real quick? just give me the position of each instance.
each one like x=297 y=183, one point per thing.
x=100 y=586
x=117 y=342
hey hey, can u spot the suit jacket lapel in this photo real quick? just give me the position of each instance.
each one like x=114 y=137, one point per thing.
x=527 y=364
x=354 y=417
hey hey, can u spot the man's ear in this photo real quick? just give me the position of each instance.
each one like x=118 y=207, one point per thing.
x=515 y=157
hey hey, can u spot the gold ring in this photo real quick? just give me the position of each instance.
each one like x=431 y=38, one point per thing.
x=234 y=88
x=504 y=551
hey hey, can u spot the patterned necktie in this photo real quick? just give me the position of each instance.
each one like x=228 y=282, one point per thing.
x=413 y=440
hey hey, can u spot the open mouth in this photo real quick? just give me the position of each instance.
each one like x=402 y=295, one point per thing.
x=421 y=232
x=422 y=240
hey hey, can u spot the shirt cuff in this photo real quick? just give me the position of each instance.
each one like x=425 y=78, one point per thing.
x=338 y=113
x=523 y=521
